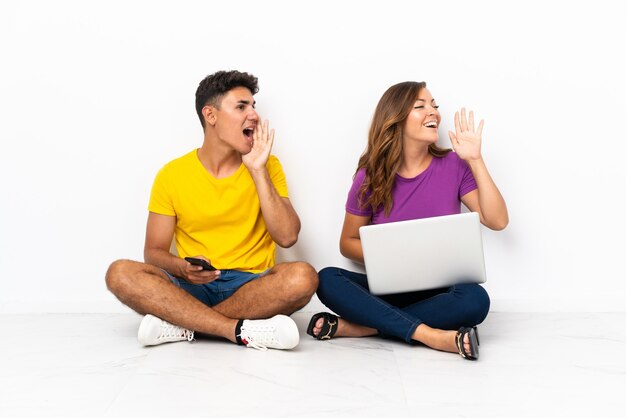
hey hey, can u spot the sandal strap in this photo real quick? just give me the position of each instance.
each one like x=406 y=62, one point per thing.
x=460 y=335
x=329 y=328
x=329 y=325
x=473 y=341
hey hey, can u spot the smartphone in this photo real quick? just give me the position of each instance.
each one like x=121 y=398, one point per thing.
x=200 y=262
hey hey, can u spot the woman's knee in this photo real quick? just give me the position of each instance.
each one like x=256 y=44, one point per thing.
x=329 y=277
x=328 y=274
x=477 y=302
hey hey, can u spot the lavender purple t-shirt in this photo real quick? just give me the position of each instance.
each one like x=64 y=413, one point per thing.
x=436 y=191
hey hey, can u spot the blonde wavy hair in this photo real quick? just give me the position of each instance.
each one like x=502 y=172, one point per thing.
x=383 y=155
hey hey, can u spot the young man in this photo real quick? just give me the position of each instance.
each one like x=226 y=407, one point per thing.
x=227 y=202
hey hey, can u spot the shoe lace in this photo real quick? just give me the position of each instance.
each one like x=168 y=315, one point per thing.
x=255 y=345
x=173 y=331
x=259 y=336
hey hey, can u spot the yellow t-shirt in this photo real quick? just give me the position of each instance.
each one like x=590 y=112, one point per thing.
x=218 y=218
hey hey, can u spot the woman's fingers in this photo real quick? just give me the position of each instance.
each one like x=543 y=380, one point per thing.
x=457 y=123
x=453 y=140
x=464 y=124
x=463 y=120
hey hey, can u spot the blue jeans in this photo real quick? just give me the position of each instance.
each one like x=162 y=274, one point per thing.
x=215 y=292
x=397 y=315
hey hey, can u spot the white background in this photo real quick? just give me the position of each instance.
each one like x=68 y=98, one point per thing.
x=96 y=97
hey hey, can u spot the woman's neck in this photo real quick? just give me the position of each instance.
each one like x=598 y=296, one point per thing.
x=415 y=159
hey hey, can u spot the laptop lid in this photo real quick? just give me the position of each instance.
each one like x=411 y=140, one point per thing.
x=423 y=254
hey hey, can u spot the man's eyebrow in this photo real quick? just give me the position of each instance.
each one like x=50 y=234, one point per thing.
x=247 y=102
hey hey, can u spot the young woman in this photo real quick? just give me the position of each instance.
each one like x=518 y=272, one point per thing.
x=404 y=175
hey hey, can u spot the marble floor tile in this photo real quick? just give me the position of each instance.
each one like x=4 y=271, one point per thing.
x=532 y=364
x=65 y=365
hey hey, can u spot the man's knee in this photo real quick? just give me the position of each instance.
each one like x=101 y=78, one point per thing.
x=302 y=280
x=119 y=275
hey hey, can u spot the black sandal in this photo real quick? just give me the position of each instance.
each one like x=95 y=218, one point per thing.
x=472 y=334
x=329 y=327
x=477 y=339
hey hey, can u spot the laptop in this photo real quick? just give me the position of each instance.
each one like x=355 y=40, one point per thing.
x=423 y=254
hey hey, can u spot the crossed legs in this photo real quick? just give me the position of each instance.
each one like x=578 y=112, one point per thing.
x=286 y=288
x=146 y=289
x=431 y=318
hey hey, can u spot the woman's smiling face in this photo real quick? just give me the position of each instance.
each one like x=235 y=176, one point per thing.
x=423 y=121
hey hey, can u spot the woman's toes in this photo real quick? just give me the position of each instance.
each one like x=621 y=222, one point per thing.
x=318 y=326
x=466 y=343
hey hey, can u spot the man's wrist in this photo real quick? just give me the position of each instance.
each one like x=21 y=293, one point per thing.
x=181 y=267
x=258 y=172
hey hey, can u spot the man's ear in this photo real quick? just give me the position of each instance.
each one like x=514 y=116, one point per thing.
x=210 y=115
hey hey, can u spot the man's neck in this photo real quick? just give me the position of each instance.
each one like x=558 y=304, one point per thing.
x=218 y=159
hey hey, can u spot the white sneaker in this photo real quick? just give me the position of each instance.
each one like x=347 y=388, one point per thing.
x=154 y=331
x=278 y=332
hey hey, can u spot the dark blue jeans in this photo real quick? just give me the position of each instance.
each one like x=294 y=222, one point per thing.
x=397 y=315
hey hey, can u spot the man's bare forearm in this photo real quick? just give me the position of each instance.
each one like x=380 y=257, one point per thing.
x=165 y=260
x=281 y=219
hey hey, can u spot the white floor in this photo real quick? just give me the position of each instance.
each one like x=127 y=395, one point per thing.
x=540 y=365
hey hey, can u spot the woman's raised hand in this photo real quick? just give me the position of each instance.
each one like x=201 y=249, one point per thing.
x=466 y=140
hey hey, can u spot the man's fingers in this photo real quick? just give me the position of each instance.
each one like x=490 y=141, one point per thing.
x=266 y=125
x=270 y=141
x=192 y=268
x=201 y=277
x=259 y=128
